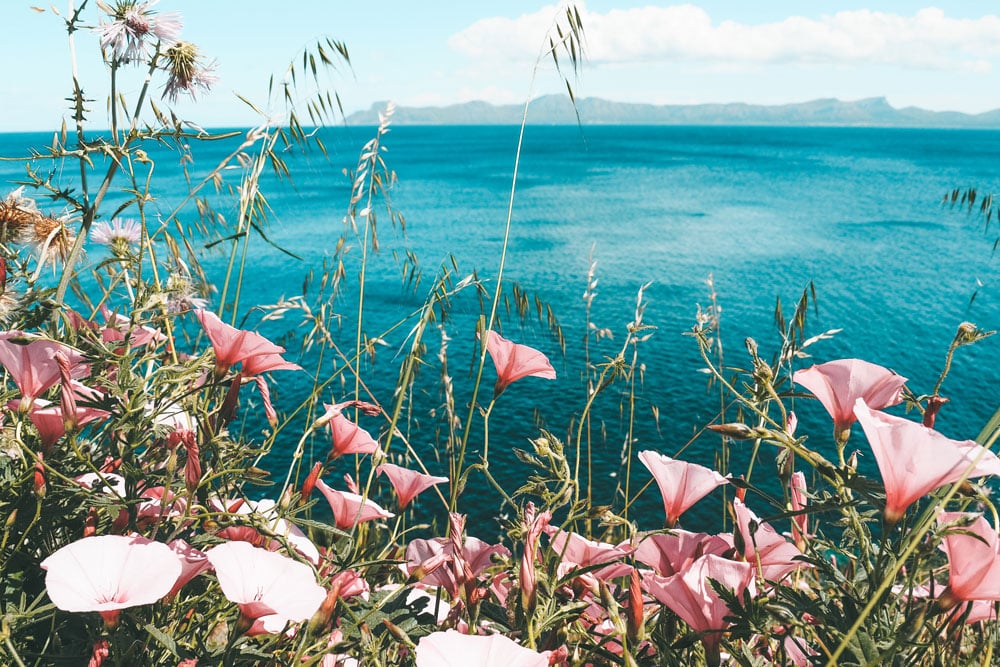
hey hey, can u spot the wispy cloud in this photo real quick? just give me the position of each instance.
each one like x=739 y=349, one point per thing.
x=927 y=40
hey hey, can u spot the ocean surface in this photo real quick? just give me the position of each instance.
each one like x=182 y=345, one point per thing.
x=856 y=212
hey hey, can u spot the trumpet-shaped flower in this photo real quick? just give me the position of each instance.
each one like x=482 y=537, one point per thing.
x=453 y=649
x=109 y=573
x=350 y=509
x=264 y=582
x=408 y=483
x=50 y=420
x=578 y=552
x=348 y=437
x=839 y=384
x=267 y=363
x=514 y=361
x=690 y=595
x=33 y=366
x=233 y=345
x=973 y=550
x=682 y=484
x=914 y=459
x=763 y=547
x=117 y=327
x=673 y=552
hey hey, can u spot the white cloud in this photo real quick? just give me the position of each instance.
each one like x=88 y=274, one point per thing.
x=927 y=40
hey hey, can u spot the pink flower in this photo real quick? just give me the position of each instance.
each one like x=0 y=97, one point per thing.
x=682 y=484
x=514 y=361
x=109 y=573
x=193 y=562
x=408 y=483
x=348 y=437
x=263 y=582
x=127 y=38
x=673 y=552
x=914 y=460
x=50 y=420
x=350 y=509
x=33 y=366
x=839 y=384
x=117 y=327
x=579 y=552
x=691 y=596
x=453 y=563
x=187 y=71
x=121 y=232
x=267 y=363
x=233 y=345
x=973 y=550
x=453 y=649
x=770 y=553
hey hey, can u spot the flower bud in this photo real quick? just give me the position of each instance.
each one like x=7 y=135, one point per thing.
x=39 y=483
x=310 y=483
x=734 y=430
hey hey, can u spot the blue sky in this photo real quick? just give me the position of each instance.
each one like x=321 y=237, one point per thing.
x=432 y=53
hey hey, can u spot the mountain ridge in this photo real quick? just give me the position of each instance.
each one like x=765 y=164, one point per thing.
x=558 y=110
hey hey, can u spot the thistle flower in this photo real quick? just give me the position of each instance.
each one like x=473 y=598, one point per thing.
x=187 y=71
x=181 y=295
x=119 y=235
x=134 y=25
x=22 y=222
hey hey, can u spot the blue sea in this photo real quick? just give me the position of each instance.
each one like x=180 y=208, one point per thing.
x=855 y=212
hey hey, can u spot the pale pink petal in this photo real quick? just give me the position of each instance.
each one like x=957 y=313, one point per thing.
x=193 y=562
x=32 y=365
x=408 y=483
x=973 y=550
x=914 y=459
x=764 y=546
x=514 y=361
x=670 y=553
x=682 y=484
x=577 y=550
x=690 y=595
x=110 y=572
x=267 y=363
x=350 y=509
x=839 y=384
x=264 y=582
x=233 y=345
x=453 y=649
x=348 y=437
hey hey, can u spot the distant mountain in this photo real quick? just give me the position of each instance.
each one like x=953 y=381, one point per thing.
x=558 y=110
